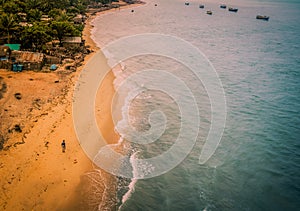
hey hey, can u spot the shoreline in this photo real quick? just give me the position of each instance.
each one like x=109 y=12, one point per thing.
x=35 y=174
x=86 y=188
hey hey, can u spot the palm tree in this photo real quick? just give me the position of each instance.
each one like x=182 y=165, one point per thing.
x=63 y=28
x=33 y=4
x=8 y=24
x=36 y=35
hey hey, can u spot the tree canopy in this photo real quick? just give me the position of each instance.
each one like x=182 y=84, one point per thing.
x=36 y=22
x=8 y=24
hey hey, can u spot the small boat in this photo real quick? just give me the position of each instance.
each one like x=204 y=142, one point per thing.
x=209 y=12
x=223 y=6
x=201 y=6
x=262 y=17
x=230 y=9
x=187 y=3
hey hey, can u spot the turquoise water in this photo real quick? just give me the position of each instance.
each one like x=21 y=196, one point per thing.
x=257 y=165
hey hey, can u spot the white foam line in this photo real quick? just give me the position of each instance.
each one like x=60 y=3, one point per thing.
x=119 y=141
x=131 y=185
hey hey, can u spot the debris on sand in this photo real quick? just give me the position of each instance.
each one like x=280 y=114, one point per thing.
x=18 y=129
x=3 y=87
x=18 y=96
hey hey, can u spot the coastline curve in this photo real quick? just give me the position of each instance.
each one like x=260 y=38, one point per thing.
x=85 y=125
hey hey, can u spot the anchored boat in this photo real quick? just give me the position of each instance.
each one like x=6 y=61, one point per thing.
x=262 y=17
x=230 y=9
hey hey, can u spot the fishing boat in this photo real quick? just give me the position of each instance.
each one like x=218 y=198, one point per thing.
x=223 y=6
x=262 y=17
x=209 y=12
x=201 y=6
x=230 y=9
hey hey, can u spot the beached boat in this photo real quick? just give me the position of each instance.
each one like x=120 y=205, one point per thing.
x=201 y=6
x=209 y=12
x=262 y=17
x=187 y=3
x=230 y=9
x=223 y=6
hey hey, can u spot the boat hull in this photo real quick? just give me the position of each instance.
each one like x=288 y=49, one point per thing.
x=262 y=17
x=232 y=9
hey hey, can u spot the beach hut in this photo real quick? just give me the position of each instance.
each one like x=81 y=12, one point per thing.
x=52 y=60
x=13 y=47
x=4 y=52
x=4 y=57
x=22 y=16
x=78 y=19
x=28 y=60
x=45 y=18
x=71 y=42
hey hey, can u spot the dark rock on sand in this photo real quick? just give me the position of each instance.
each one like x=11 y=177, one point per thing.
x=18 y=96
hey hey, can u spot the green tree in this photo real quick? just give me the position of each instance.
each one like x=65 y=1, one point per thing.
x=47 y=5
x=11 y=7
x=36 y=36
x=8 y=24
x=61 y=29
x=55 y=13
x=34 y=15
x=63 y=17
x=33 y=4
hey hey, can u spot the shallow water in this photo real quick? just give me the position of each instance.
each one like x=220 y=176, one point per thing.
x=257 y=165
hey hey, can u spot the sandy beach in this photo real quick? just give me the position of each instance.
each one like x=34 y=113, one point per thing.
x=36 y=116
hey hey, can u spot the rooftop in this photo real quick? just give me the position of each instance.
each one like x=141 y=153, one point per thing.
x=72 y=40
x=26 y=56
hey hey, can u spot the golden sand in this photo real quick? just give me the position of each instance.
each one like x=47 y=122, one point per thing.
x=35 y=173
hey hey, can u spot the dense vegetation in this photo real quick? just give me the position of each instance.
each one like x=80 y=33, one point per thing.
x=21 y=21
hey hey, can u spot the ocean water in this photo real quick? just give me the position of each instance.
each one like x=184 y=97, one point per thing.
x=257 y=164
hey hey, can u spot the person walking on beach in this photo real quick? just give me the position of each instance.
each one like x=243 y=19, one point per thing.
x=63 y=146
